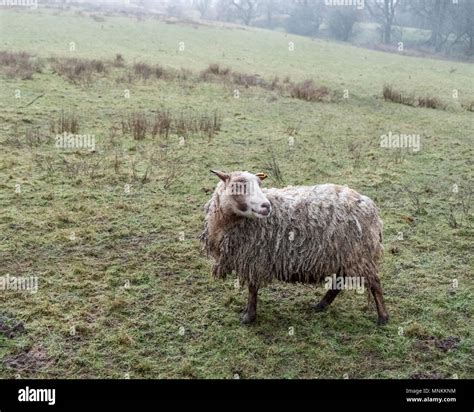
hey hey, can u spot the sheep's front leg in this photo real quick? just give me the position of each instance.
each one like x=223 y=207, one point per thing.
x=251 y=310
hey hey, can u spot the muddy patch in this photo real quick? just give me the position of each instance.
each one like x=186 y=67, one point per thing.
x=10 y=327
x=444 y=344
x=30 y=360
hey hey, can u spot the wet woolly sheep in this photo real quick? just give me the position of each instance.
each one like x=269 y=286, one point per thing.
x=294 y=234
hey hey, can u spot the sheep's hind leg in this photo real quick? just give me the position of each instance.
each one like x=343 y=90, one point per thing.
x=376 y=290
x=326 y=300
x=251 y=310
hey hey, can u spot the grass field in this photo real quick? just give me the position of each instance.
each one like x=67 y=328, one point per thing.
x=124 y=290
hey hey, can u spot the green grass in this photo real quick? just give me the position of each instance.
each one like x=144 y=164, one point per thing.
x=174 y=320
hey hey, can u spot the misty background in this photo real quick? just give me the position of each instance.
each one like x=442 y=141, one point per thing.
x=442 y=27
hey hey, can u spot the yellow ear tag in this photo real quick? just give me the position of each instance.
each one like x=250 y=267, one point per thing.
x=262 y=176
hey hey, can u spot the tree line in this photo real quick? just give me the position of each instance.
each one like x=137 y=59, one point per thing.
x=450 y=23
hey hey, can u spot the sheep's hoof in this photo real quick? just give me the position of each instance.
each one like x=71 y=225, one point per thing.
x=247 y=318
x=319 y=307
x=382 y=320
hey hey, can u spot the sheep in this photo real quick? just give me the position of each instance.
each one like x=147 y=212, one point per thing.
x=295 y=234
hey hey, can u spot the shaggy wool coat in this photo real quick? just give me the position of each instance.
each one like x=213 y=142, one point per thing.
x=312 y=232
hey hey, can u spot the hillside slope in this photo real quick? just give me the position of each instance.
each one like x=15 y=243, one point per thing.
x=111 y=234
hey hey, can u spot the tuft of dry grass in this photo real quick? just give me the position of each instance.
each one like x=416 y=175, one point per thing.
x=137 y=125
x=162 y=123
x=78 y=70
x=431 y=102
x=469 y=106
x=392 y=95
x=217 y=70
x=119 y=61
x=145 y=71
x=308 y=90
x=67 y=122
x=20 y=64
x=214 y=70
x=396 y=96
x=165 y=123
x=209 y=125
x=246 y=80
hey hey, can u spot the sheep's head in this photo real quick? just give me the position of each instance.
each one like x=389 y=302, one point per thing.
x=240 y=193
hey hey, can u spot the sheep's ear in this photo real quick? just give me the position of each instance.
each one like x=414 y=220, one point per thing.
x=262 y=176
x=221 y=175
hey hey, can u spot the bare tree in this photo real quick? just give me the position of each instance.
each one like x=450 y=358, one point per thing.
x=436 y=14
x=246 y=10
x=383 y=11
x=269 y=8
x=224 y=10
x=341 y=21
x=203 y=7
x=306 y=17
x=463 y=24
